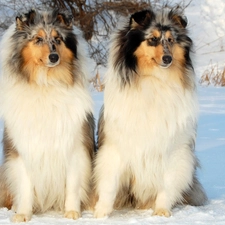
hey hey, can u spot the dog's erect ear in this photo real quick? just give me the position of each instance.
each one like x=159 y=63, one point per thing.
x=141 y=19
x=25 y=20
x=64 y=19
x=178 y=19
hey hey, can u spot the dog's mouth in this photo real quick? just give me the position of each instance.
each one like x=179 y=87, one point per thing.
x=165 y=65
x=50 y=64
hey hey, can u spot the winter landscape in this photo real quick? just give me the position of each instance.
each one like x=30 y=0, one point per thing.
x=206 y=21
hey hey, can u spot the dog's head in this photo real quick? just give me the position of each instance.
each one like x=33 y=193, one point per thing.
x=45 y=40
x=153 y=40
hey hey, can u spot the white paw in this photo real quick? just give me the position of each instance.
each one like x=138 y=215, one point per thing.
x=18 y=218
x=100 y=214
x=162 y=212
x=72 y=215
x=102 y=211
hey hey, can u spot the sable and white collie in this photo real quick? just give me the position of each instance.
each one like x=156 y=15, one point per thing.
x=47 y=110
x=147 y=126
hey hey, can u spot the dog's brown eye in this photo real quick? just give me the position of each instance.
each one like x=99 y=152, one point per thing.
x=153 y=39
x=39 y=40
x=58 y=41
x=170 y=40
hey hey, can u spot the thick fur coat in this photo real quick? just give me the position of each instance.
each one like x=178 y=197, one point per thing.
x=47 y=111
x=147 y=126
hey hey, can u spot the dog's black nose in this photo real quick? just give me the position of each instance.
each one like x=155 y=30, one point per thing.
x=53 y=57
x=167 y=59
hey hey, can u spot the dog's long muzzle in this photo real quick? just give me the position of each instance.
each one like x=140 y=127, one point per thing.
x=167 y=57
x=53 y=58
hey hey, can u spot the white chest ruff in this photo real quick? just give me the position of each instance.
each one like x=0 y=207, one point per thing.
x=44 y=118
x=148 y=126
x=153 y=114
x=45 y=125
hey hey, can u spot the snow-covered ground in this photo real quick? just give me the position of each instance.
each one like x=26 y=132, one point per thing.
x=207 y=29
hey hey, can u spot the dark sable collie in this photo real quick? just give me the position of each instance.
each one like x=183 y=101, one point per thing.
x=47 y=110
x=147 y=127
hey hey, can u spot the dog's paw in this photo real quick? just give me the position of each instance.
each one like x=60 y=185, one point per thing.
x=18 y=218
x=162 y=212
x=101 y=212
x=72 y=215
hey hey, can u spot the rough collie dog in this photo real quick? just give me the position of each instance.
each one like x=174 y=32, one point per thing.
x=147 y=127
x=47 y=111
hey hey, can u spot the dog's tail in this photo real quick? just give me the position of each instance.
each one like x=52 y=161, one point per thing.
x=196 y=195
x=5 y=197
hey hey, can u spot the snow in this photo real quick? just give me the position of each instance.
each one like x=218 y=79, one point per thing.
x=213 y=13
x=207 y=29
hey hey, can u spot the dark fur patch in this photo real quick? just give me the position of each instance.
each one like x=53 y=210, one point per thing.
x=142 y=19
x=88 y=135
x=128 y=41
x=186 y=43
x=8 y=146
x=71 y=43
x=25 y=20
x=100 y=132
x=9 y=152
x=6 y=198
x=63 y=19
x=195 y=195
x=177 y=19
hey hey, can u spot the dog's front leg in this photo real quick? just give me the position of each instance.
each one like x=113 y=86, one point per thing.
x=23 y=194
x=73 y=186
x=177 y=179
x=106 y=175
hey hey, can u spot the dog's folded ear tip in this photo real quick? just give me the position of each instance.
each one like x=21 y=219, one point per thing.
x=141 y=18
